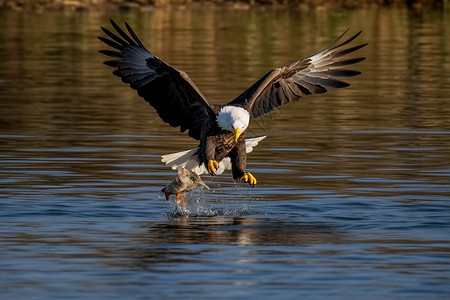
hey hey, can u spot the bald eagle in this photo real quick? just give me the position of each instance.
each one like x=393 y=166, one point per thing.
x=221 y=129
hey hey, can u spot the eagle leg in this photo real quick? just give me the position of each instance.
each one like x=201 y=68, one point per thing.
x=212 y=166
x=248 y=177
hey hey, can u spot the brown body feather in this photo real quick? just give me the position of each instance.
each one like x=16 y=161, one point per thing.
x=217 y=147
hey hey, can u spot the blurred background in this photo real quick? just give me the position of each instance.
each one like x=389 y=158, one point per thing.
x=233 y=4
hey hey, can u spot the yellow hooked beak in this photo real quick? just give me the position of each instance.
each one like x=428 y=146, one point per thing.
x=237 y=133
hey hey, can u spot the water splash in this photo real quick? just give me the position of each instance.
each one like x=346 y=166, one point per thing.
x=196 y=205
x=199 y=203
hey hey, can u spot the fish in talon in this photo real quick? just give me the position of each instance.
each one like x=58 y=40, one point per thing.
x=185 y=181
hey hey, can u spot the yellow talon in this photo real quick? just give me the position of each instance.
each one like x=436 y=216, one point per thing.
x=212 y=166
x=248 y=177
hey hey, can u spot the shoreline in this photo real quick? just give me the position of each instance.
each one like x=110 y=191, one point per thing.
x=140 y=5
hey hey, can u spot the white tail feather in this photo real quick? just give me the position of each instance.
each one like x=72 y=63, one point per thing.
x=188 y=159
x=253 y=142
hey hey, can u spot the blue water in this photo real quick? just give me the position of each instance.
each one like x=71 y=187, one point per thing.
x=353 y=194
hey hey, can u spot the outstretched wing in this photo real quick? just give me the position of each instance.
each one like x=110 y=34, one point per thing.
x=312 y=75
x=170 y=91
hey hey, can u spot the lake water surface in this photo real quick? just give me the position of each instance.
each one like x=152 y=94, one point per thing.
x=353 y=194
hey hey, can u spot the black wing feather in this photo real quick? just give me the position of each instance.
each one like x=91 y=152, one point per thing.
x=313 y=75
x=170 y=91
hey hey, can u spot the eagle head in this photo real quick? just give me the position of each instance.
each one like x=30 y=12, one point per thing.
x=234 y=119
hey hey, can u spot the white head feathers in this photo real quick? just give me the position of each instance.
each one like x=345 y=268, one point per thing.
x=233 y=117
